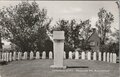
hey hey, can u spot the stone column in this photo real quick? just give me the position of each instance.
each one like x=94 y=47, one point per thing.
x=58 y=37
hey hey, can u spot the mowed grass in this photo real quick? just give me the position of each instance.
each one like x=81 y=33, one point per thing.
x=77 y=68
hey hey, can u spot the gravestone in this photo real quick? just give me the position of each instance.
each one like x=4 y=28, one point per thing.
x=89 y=55
x=99 y=56
x=76 y=55
x=7 y=56
x=114 y=57
x=44 y=55
x=25 y=55
x=31 y=55
x=2 y=56
x=37 y=55
x=108 y=57
x=104 y=56
x=70 y=55
x=94 y=56
x=19 y=55
x=111 y=58
x=14 y=55
x=58 y=41
x=83 y=55
x=10 y=56
x=64 y=55
x=50 y=55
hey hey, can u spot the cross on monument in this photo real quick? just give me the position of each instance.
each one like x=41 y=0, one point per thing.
x=58 y=42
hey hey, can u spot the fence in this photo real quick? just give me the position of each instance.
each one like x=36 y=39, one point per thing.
x=105 y=56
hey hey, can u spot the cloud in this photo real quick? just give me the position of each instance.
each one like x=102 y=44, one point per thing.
x=72 y=10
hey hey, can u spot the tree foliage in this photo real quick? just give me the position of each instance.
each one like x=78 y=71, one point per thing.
x=25 y=25
x=104 y=24
x=76 y=33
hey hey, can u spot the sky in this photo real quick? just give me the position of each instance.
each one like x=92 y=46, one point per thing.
x=79 y=10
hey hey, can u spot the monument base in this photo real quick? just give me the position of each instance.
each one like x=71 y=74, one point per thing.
x=58 y=67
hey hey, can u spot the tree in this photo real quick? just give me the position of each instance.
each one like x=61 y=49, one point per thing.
x=116 y=35
x=114 y=46
x=25 y=25
x=76 y=33
x=85 y=33
x=63 y=25
x=104 y=24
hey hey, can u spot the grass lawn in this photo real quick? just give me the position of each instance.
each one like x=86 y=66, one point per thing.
x=76 y=68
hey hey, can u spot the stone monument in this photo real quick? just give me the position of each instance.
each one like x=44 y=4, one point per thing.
x=58 y=42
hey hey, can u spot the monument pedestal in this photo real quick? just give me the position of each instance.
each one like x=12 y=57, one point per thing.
x=58 y=37
x=58 y=67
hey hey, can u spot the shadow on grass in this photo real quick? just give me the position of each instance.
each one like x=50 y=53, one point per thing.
x=77 y=67
x=3 y=63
